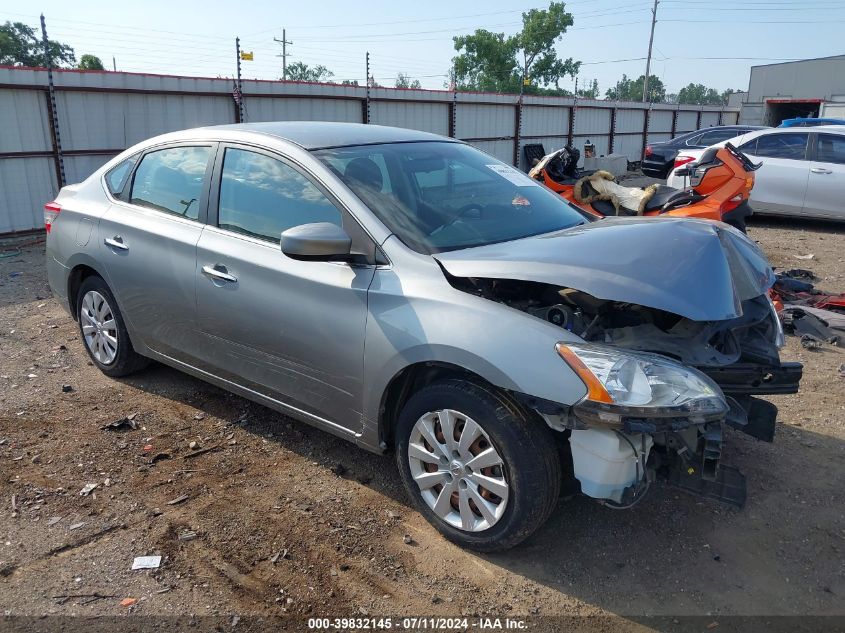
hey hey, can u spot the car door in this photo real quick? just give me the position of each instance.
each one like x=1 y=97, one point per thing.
x=827 y=178
x=780 y=184
x=288 y=329
x=147 y=240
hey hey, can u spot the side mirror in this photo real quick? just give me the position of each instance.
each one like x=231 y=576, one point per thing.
x=320 y=241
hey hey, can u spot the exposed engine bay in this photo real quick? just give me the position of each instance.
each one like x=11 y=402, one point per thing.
x=750 y=337
x=615 y=459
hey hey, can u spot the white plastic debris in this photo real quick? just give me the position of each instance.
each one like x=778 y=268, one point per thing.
x=146 y=562
x=87 y=490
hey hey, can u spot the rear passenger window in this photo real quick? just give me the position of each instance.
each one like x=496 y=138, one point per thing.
x=831 y=149
x=262 y=196
x=171 y=180
x=117 y=176
x=792 y=146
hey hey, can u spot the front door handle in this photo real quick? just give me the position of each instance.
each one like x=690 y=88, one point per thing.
x=116 y=242
x=821 y=170
x=219 y=272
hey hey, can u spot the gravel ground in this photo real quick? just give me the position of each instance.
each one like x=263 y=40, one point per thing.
x=278 y=518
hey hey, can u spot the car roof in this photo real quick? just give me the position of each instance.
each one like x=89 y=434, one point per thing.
x=322 y=134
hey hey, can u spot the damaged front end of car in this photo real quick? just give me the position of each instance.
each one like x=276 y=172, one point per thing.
x=664 y=374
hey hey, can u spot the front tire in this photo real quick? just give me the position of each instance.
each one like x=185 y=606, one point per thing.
x=104 y=332
x=480 y=469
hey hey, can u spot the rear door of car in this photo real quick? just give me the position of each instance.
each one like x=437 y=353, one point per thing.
x=147 y=241
x=290 y=330
x=780 y=184
x=826 y=186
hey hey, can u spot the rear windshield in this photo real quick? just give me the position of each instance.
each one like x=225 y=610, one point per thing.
x=439 y=196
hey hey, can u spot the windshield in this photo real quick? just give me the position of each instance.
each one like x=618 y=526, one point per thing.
x=438 y=196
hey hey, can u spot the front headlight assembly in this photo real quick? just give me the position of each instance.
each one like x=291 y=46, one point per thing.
x=623 y=384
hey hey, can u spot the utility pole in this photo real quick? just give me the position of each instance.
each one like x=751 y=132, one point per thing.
x=648 y=59
x=51 y=95
x=284 y=42
x=239 y=99
x=114 y=63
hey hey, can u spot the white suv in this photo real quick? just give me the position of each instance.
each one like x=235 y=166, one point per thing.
x=803 y=172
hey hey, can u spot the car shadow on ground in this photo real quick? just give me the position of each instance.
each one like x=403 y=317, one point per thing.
x=672 y=554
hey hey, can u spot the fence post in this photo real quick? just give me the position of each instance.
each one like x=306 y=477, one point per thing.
x=367 y=101
x=612 y=130
x=517 y=131
x=646 y=121
x=698 y=120
x=56 y=137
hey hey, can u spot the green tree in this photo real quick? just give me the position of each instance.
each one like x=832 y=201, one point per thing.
x=591 y=91
x=699 y=94
x=404 y=81
x=349 y=82
x=300 y=71
x=500 y=63
x=90 y=62
x=627 y=89
x=20 y=46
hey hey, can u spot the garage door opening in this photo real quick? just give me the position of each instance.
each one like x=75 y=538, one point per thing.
x=778 y=110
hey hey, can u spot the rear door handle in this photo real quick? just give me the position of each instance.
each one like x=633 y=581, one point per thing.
x=116 y=242
x=219 y=272
x=821 y=170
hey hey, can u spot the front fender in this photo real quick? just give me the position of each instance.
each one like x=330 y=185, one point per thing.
x=424 y=319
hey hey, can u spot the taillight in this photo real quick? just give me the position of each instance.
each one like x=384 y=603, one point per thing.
x=733 y=203
x=51 y=212
x=648 y=150
x=683 y=160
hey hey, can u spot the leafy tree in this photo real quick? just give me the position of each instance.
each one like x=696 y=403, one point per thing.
x=20 y=46
x=300 y=71
x=627 y=89
x=591 y=91
x=699 y=94
x=90 y=62
x=349 y=82
x=498 y=62
x=404 y=81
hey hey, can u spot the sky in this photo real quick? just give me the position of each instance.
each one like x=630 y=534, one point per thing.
x=714 y=42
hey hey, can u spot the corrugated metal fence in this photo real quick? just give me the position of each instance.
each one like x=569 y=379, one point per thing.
x=102 y=113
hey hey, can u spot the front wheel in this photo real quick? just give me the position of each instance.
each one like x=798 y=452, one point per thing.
x=482 y=471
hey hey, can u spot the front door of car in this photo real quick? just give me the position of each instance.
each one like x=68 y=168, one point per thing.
x=780 y=184
x=289 y=329
x=148 y=241
x=827 y=178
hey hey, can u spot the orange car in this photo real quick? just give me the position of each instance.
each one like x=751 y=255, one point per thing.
x=721 y=182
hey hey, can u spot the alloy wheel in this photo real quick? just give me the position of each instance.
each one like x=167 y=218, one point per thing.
x=98 y=327
x=458 y=470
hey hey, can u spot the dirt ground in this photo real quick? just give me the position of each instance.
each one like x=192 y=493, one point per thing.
x=279 y=518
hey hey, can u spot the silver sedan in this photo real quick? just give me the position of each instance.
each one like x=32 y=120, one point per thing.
x=409 y=293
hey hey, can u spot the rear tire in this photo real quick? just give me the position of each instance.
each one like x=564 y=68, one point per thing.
x=103 y=331
x=496 y=486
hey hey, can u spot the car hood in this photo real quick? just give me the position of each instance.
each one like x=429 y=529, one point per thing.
x=698 y=269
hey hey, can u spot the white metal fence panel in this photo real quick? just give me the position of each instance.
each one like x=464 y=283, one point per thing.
x=542 y=121
x=503 y=150
x=303 y=109
x=428 y=117
x=78 y=168
x=629 y=145
x=630 y=121
x=24 y=125
x=25 y=185
x=658 y=137
x=687 y=121
x=730 y=117
x=709 y=119
x=484 y=121
x=97 y=120
x=660 y=121
x=592 y=120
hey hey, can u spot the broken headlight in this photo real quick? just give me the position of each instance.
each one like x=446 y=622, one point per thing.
x=640 y=385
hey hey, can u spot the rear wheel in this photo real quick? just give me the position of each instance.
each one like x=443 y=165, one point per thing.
x=104 y=332
x=480 y=469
